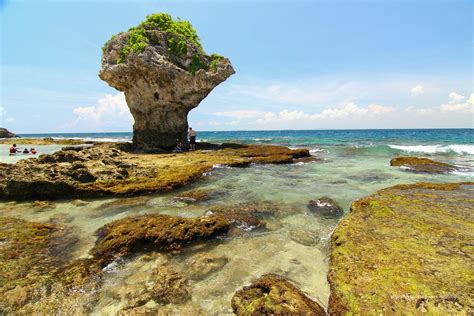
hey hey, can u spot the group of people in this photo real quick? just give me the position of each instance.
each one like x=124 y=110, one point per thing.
x=192 y=141
x=14 y=150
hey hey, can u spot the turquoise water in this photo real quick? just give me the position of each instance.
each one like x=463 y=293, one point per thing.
x=352 y=164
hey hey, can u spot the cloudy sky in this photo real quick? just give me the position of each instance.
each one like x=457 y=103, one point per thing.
x=300 y=64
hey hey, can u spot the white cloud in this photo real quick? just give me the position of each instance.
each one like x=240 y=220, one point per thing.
x=110 y=111
x=10 y=120
x=456 y=104
x=349 y=110
x=417 y=90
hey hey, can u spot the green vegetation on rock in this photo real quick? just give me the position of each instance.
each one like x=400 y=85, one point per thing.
x=405 y=250
x=215 y=58
x=178 y=32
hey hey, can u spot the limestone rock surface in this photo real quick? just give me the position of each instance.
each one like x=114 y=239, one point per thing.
x=161 y=85
x=405 y=250
x=272 y=294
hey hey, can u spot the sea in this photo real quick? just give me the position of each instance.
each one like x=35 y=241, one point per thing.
x=351 y=164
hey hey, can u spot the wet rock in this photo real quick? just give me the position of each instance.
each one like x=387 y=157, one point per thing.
x=192 y=196
x=154 y=232
x=104 y=170
x=371 y=176
x=304 y=236
x=246 y=216
x=422 y=165
x=40 y=206
x=161 y=85
x=404 y=250
x=79 y=203
x=325 y=207
x=307 y=159
x=122 y=205
x=203 y=264
x=35 y=276
x=170 y=286
x=272 y=294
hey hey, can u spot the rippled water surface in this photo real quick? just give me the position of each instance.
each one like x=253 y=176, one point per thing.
x=344 y=173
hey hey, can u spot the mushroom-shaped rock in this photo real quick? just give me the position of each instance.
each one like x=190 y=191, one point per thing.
x=164 y=73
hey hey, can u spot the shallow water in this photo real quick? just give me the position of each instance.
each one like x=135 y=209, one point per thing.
x=344 y=173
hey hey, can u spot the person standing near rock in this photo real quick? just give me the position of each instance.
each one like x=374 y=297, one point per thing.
x=192 y=139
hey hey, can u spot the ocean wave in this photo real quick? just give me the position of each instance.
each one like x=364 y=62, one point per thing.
x=432 y=149
x=315 y=150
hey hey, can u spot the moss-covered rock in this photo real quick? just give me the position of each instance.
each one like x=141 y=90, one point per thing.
x=36 y=276
x=405 y=250
x=105 y=170
x=154 y=232
x=246 y=216
x=422 y=165
x=272 y=294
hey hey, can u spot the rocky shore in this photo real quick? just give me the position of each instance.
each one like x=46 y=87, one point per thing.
x=107 y=170
x=405 y=250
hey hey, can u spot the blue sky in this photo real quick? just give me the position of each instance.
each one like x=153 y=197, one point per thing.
x=299 y=64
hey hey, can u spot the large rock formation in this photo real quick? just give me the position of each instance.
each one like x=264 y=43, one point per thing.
x=405 y=250
x=164 y=72
x=4 y=133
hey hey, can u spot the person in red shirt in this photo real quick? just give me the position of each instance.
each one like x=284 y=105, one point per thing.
x=13 y=149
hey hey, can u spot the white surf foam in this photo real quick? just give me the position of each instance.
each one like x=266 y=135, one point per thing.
x=431 y=149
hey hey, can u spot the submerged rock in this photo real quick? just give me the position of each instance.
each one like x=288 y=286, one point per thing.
x=272 y=294
x=422 y=165
x=4 y=133
x=325 y=207
x=122 y=205
x=201 y=265
x=170 y=286
x=35 y=275
x=405 y=250
x=154 y=232
x=304 y=236
x=192 y=196
x=165 y=73
x=246 y=216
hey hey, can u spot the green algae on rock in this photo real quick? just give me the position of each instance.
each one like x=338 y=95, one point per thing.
x=105 y=170
x=35 y=275
x=405 y=250
x=154 y=232
x=422 y=165
x=272 y=294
